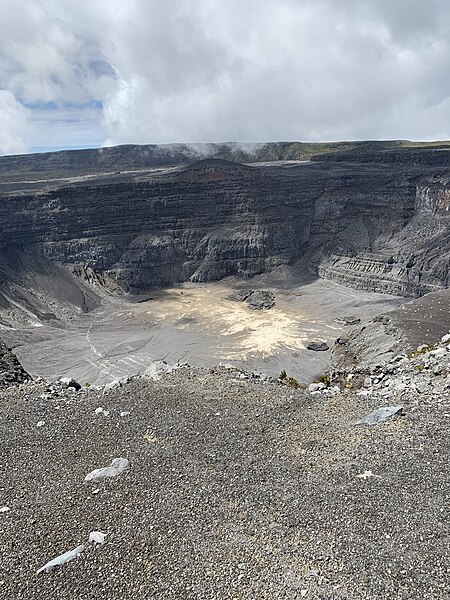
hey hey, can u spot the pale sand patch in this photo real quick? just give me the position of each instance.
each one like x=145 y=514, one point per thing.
x=240 y=329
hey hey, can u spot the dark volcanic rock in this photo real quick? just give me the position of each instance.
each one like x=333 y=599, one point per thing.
x=382 y=228
x=261 y=299
x=11 y=371
x=347 y=321
x=256 y=300
x=240 y=295
x=318 y=346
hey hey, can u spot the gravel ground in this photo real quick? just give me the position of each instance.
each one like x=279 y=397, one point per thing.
x=236 y=489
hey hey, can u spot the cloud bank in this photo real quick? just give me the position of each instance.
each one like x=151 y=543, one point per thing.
x=144 y=71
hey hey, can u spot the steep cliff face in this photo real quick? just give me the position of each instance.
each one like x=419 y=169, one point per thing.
x=211 y=220
x=410 y=256
x=381 y=228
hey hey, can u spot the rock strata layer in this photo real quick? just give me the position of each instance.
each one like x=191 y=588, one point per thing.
x=374 y=227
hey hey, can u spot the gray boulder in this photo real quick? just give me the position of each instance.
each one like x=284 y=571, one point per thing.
x=318 y=346
x=70 y=382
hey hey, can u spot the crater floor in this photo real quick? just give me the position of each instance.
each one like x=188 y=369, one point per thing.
x=198 y=325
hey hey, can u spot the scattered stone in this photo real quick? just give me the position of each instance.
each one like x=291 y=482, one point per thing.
x=316 y=387
x=70 y=382
x=117 y=466
x=379 y=415
x=4 y=509
x=438 y=352
x=333 y=390
x=445 y=339
x=157 y=369
x=422 y=386
x=366 y=475
x=101 y=411
x=318 y=346
x=399 y=358
x=61 y=559
x=97 y=536
x=112 y=385
x=398 y=385
x=40 y=424
x=347 y=321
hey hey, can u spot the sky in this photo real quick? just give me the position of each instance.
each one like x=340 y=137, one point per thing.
x=88 y=73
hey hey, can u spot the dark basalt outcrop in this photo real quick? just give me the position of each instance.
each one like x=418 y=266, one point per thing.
x=376 y=227
x=11 y=371
x=318 y=346
x=256 y=300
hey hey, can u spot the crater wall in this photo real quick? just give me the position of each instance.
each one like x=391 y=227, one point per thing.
x=375 y=227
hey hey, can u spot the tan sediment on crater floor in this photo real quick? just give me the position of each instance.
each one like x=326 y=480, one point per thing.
x=198 y=325
x=241 y=330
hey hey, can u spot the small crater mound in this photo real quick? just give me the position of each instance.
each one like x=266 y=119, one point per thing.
x=256 y=300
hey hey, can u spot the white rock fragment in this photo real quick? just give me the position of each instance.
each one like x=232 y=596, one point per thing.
x=101 y=411
x=438 y=353
x=112 y=385
x=400 y=386
x=61 y=559
x=4 y=509
x=124 y=413
x=40 y=424
x=367 y=475
x=117 y=466
x=70 y=382
x=422 y=386
x=97 y=536
x=400 y=358
x=333 y=390
x=158 y=368
x=316 y=387
x=445 y=339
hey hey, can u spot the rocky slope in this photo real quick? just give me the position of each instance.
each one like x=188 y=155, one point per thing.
x=436 y=155
x=375 y=227
x=234 y=486
x=137 y=157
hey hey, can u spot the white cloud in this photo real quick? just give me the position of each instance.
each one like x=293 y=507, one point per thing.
x=209 y=70
x=15 y=127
